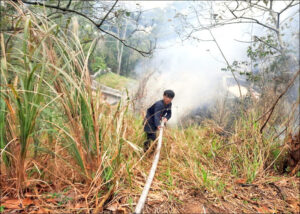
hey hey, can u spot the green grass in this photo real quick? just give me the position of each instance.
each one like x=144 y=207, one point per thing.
x=115 y=81
x=53 y=129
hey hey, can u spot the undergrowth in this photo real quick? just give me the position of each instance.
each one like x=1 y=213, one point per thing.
x=58 y=136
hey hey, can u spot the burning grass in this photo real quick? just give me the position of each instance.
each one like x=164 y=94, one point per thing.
x=64 y=149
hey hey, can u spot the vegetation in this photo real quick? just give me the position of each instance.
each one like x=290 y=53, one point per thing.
x=116 y=81
x=64 y=149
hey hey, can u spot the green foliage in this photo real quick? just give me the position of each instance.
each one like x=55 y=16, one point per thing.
x=130 y=174
x=98 y=63
x=115 y=81
x=263 y=47
x=108 y=174
x=130 y=202
x=3 y=140
x=50 y=101
x=65 y=131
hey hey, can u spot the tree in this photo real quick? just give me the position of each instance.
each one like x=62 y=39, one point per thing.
x=269 y=50
x=109 y=23
x=272 y=63
x=244 y=12
x=98 y=13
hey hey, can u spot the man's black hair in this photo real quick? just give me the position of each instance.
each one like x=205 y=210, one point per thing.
x=169 y=93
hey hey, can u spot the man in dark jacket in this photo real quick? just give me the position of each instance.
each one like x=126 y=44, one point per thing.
x=161 y=110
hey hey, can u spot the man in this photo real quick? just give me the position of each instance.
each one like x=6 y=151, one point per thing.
x=161 y=110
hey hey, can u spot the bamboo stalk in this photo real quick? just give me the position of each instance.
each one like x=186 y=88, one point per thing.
x=143 y=197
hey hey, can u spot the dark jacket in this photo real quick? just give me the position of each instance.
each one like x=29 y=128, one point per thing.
x=154 y=115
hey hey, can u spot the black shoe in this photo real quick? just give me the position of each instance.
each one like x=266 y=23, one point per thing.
x=146 y=146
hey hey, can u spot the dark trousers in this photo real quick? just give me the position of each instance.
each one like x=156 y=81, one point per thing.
x=150 y=137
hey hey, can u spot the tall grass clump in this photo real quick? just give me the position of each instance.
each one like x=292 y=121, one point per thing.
x=58 y=136
x=209 y=160
x=55 y=129
x=23 y=94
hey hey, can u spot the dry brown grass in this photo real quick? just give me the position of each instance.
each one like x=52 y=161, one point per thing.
x=80 y=154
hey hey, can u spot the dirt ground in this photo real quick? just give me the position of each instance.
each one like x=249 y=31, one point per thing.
x=280 y=196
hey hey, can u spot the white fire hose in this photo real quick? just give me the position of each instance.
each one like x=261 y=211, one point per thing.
x=142 y=200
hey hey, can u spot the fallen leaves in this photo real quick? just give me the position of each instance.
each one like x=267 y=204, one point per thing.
x=17 y=203
x=41 y=211
x=264 y=209
x=115 y=207
x=294 y=203
x=241 y=181
x=51 y=200
x=246 y=199
x=80 y=205
x=282 y=182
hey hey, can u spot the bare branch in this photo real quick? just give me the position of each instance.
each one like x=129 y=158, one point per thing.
x=59 y=8
x=271 y=4
x=104 y=18
x=143 y=53
x=69 y=3
x=253 y=19
x=224 y=57
x=288 y=6
x=67 y=9
x=262 y=41
x=270 y=111
x=289 y=17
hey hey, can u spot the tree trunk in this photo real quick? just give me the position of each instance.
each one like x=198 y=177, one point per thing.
x=120 y=50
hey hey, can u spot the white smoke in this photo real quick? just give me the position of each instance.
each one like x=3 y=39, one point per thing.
x=193 y=70
x=187 y=71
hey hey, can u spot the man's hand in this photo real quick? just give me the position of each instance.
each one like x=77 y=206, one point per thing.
x=163 y=119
